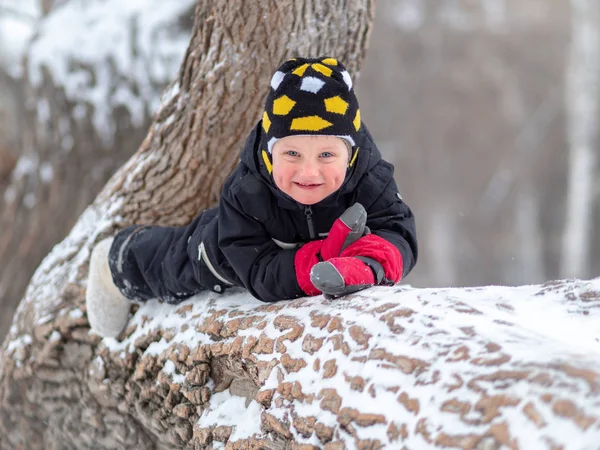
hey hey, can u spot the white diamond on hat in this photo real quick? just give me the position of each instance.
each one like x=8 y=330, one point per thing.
x=347 y=79
x=311 y=84
x=277 y=79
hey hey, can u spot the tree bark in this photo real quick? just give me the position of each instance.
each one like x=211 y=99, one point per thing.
x=53 y=400
x=65 y=158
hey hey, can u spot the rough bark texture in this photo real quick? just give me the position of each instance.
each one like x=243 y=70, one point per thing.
x=57 y=399
x=444 y=368
x=64 y=160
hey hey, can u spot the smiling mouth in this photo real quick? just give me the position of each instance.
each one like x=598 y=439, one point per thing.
x=307 y=185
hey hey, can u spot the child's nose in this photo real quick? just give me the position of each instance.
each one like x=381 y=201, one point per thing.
x=309 y=169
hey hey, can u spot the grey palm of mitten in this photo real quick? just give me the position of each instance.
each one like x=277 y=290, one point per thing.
x=355 y=218
x=107 y=308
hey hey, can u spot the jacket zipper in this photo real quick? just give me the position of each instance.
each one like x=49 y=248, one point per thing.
x=308 y=212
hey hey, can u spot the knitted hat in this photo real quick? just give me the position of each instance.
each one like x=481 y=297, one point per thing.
x=310 y=96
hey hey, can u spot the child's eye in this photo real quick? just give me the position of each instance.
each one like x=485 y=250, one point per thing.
x=292 y=153
x=326 y=155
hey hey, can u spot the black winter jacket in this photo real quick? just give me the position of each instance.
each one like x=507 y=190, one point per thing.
x=251 y=238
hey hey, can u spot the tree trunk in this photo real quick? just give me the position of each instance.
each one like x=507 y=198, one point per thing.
x=11 y=105
x=76 y=133
x=582 y=97
x=53 y=400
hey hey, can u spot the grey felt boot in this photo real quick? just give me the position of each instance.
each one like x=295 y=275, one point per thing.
x=107 y=308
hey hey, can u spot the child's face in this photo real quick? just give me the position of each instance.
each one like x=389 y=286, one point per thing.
x=309 y=168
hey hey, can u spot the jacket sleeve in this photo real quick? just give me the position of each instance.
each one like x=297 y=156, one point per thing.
x=391 y=219
x=265 y=270
x=156 y=262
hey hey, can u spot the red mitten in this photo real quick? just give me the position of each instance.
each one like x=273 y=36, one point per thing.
x=342 y=276
x=306 y=257
x=384 y=253
x=349 y=227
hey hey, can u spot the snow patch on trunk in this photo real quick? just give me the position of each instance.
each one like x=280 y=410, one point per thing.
x=126 y=53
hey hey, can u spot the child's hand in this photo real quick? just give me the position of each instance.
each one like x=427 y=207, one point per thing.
x=368 y=261
x=348 y=228
x=382 y=256
x=342 y=276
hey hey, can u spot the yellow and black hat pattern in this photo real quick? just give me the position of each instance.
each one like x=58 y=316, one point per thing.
x=311 y=96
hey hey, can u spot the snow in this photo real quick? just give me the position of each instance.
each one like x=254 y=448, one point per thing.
x=154 y=314
x=16 y=28
x=170 y=369
x=20 y=341
x=46 y=172
x=54 y=337
x=540 y=327
x=126 y=53
x=76 y=314
x=170 y=93
x=229 y=410
x=26 y=165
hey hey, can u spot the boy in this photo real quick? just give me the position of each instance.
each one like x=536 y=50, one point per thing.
x=311 y=208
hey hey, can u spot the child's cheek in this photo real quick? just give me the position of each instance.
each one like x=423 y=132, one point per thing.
x=281 y=176
x=336 y=176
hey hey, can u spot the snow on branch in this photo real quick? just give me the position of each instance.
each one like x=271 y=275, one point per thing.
x=392 y=366
x=126 y=54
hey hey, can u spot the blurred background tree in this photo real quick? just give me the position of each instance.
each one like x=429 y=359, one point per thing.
x=83 y=80
x=469 y=99
x=487 y=108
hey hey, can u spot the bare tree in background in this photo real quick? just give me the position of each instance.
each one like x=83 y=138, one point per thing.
x=476 y=133
x=10 y=104
x=582 y=102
